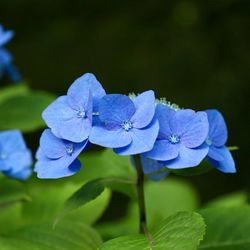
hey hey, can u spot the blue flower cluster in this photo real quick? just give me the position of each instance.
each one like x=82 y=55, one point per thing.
x=15 y=157
x=6 y=65
x=163 y=134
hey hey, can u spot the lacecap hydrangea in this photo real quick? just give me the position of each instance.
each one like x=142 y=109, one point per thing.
x=6 y=59
x=15 y=157
x=164 y=135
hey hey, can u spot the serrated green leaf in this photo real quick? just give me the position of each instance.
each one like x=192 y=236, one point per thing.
x=183 y=230
x=228 y=228
x=162 y=199
x=24 y=111
x=68 y=235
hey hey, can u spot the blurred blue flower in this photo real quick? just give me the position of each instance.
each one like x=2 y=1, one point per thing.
x=180 y=143
x=15 y=157
x=5 y=36
x=128 y=126
x=218 y=154
x=7 y=67
x=56 y=157
x=70 y=116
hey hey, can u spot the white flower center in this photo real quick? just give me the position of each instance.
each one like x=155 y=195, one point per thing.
x=209 y=142
x=127 y=125
x=81 y=113
x=174 y=139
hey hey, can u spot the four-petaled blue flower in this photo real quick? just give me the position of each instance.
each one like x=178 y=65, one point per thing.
x=128 y=126
x=70 y=116
x=218 y=155
x=180 y=143
x=57 y=157
x=5 y=36
x=15 y=157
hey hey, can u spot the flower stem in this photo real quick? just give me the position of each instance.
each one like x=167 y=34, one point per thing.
x=140 y=195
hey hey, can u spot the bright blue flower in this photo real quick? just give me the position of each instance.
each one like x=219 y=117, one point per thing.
x=128 y=126
x=218 y=154
x=15 y=157
x=56 y=157
x=180 y=143
x=70 y=116
x=7 y=67
x=5 y=36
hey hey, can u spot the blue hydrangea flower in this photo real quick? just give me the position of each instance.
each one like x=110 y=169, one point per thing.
x=180 y=143
x=15 y=157
x=57 y=157
x=218 y=154
x=5 y=36
x=70 y=116
x=128 y=126
x=7 y=67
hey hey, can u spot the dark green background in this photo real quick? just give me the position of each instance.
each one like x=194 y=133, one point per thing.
x=195 y=53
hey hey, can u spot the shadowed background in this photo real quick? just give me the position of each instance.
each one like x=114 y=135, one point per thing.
x=195 y=53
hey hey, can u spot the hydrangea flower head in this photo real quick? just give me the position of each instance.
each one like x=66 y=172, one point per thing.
x=70 y=116
x=218 y=154
x=57 y=157
x=7 y=67
x=180 y=143
x=128 y=126
x=5 y=36
x=15 y=157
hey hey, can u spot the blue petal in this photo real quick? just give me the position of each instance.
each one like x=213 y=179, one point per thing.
x=163 y=150
x=11 y=141
x=196 y=130
x=53 y=169
x=145 y=109
x=227 y=165
x=188 y=157
x=5 y=57
x=5 y=36
x=22 y=175
x=151 y=166
x=109 y=138
x=180 y=120
x=13 y=73
x=80 y=86
x=164 y=114
x=64 y=121
x=52 y=146
x=115 y=108
x=217 y=127
x=215 y=154
x=142 y=140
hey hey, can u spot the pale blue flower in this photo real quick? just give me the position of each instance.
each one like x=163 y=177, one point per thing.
x=128 y=126
x=70 y=116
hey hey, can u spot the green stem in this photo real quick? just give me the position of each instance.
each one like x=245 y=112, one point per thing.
x=140 y=195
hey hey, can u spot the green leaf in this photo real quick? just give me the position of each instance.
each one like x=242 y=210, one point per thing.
x=108 y=164
x=48 y=200
x=11 y=191
x=183 y=230
x=230 y=200
x=24 y=111
x=227 y=228
x=68 y=235
x=13 y=90
x=162 y=199
x=88 y=192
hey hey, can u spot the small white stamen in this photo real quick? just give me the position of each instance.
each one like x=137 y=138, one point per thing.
x=209 y=142
x=81 y=113
x=174 y=139
x=127 y=125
